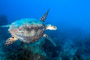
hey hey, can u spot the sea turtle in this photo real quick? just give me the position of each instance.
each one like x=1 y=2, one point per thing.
x=29 y=30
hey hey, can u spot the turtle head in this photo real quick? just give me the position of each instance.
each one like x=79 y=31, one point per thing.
x=51 y=27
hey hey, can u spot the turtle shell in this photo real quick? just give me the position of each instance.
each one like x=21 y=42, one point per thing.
x=27 y=30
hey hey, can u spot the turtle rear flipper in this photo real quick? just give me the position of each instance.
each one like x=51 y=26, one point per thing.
x=10 y=40
x=48 y=38
x=5 y=26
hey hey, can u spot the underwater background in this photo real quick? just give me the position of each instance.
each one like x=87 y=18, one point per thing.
x=72 y=37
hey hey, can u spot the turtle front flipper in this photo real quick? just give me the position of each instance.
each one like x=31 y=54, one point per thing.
x=10 y=40
x=43 y=18
x=48 y=38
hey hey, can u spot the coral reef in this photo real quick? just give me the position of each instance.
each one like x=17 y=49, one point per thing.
x=69 y=47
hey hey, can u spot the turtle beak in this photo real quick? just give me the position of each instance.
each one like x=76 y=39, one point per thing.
x=51 y=27
x=55 y=28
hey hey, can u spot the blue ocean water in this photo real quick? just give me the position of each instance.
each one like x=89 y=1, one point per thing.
x=72 y=18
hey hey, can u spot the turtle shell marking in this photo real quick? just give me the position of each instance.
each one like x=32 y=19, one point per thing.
x=27 y=30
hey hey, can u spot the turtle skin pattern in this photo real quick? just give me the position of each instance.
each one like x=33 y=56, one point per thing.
x=27 y=30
